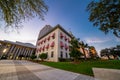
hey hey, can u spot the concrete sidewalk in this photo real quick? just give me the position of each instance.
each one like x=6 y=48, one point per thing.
x=25 y=70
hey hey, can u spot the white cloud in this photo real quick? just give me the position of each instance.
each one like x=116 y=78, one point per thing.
x=96 y=40
x=29 y=41
x=117 y=39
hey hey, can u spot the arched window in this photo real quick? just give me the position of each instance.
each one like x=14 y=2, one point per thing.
x=53 y=35
x=65 y=38
x=48 y=38
x=43 y=48
x=47 y=46
x=44 y=40
x=61 y=35
x=38 y=43
x=52 y=44
x=40 y=50
x=69 y=40
x=61 y=44
x=66 y=47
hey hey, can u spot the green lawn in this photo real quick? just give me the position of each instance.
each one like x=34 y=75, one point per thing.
x=84 y=67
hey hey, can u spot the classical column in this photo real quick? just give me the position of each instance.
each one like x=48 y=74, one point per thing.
x=31 y=52
x=16 y=52
x=12 y=47
x=28 y=53
x=24 y=52
x=8 y=50
x=21 y=52
x=2 y=53
x=5 y=47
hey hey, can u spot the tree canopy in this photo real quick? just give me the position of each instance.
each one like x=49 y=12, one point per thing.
x=43 y=56
x=33 y=56
x=114 y=51
x=83 y=46
x=105 y=52
x=93 y=52
x=13 y=12
x=106 y=15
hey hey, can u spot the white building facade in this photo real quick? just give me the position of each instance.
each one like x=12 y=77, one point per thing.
x=54 y=42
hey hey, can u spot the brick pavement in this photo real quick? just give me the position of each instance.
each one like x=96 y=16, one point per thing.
x=25 y=70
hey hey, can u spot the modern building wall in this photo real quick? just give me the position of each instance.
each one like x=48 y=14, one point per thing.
x=16 y=50
x=48 y=44
x=63 y=44
x=55 y=43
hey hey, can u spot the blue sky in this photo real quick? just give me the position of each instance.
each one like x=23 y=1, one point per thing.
x=71 y=15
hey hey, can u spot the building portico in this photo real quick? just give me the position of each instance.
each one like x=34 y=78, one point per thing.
x=16 y=50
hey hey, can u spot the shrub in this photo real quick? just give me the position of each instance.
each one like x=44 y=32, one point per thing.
x=4 y=57
x=33 y=56
x=43 y=56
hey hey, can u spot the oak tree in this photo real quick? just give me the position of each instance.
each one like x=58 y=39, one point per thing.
x=105 y=14
x=14 y=12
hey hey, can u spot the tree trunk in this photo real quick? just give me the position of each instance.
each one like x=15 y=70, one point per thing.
x=114 y=56
x=42 y=60
x=76 y=61
x=108 y=57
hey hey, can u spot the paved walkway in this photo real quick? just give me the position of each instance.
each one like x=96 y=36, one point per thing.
x=25 y=70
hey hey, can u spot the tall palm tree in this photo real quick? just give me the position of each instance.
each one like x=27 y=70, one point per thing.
x=74 y=49
x=92 y=52
x=83 y=46
x=13 y=12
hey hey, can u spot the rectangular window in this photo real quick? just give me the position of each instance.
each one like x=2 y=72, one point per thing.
x=47 y=54
x=52 y=54
x=61 y=54
x=66 y=55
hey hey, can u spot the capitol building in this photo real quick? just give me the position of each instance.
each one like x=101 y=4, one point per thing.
x=54 y=41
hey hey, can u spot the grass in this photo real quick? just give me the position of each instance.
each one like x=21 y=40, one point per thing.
x=84 y=67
